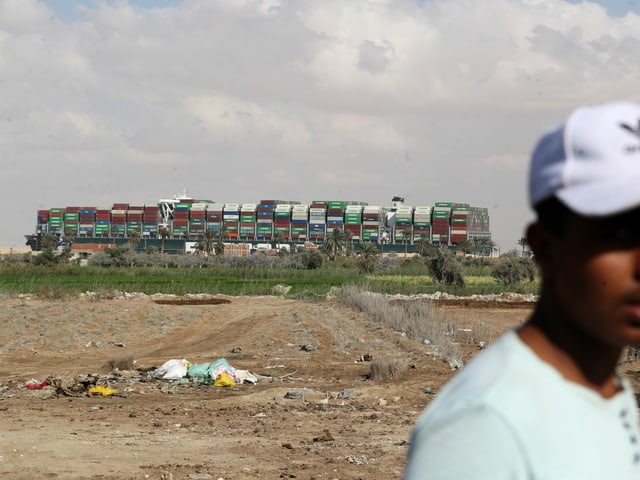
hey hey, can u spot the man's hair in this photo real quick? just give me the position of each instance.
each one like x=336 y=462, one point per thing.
x=552 y=215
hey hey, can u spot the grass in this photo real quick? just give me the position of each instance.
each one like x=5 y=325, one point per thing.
x=58 y=280
x=74 y=279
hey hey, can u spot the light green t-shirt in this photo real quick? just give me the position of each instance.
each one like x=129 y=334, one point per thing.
x=510 y=415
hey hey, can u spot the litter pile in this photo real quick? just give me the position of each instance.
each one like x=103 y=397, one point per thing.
x=219 y=373
x=121 y=382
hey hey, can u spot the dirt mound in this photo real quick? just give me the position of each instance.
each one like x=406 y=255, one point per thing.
x=192 y=301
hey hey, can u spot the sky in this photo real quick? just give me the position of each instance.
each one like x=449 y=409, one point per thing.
x=238 y=101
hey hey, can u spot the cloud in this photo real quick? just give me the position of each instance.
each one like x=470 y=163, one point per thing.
x=240 y=121
x=22 y=17
x=240 y=100
x=374 y=58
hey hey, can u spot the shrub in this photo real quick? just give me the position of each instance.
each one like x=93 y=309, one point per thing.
x=22 y=259
x=366 y=264
x=116 y=257
x=444 y=267
x=312 y=259
x=291 y=261
x=389 y=262
x=388 y=370
x=512 y=268
x=49 y=256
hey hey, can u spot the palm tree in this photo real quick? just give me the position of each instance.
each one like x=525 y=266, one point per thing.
x=335 y=242
x=522 y=241
x=348 y=240
x=424 y=245
x=406 y=236
x=466 y=246
x=164 y=234
x=484 y=246
x=208 y=242
x=369 y=250
x=69 y=236
x=218 y=247
x=278 y=238
x=367 y=260
x=134 y=239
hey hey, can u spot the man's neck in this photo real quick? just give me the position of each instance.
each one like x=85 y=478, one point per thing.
x=577 y=356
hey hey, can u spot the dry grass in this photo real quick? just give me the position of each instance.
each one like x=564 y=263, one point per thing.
x=416 y=318
x=120 y=363
x=51 y=292
x=388 y=370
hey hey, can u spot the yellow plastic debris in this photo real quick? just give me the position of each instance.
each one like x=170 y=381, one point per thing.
x=104 y=391
x=224 y=380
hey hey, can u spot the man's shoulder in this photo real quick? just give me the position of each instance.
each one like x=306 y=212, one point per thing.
x=499 y=378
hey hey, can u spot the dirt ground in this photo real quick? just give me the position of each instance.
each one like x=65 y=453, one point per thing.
x=315 y=413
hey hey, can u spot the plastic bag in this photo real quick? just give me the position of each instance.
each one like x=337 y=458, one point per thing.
x=245 y=376
x=221 y=366
x=224 y=380
x=199 y=370
x=172 y=369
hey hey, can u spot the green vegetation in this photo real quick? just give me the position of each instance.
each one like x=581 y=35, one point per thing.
x=310 y=274
x=512 y=269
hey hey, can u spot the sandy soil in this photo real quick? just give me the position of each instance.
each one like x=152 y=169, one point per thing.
x=314 y=414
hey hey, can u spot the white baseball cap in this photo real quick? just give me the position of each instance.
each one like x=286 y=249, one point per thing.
x=591 y=162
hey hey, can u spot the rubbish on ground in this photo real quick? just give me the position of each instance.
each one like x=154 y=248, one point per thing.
x=224 y=380
x=218 y=372
x=245 y=376
x=35 y=385
x=221 y=366
x=100 y=390
x=172 y=369
x=201 y=370
x=293 y=395
x=346 y=393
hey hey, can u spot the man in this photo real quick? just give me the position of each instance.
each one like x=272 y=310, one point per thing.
x=545 y=400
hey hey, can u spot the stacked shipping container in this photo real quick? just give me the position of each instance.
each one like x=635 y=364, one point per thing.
x=299 y=222
x=214 y=217
x=353 y=221
x=231 y=220
x=248 y=221
x=479 y=223
x=197 y=219
x=317 y=221
x=282 y=221
x=403 y=231
x=372 y=220
x=440 y=220
x=264 y=216
x=422 y=223
x=459 y=223
x=444 y=223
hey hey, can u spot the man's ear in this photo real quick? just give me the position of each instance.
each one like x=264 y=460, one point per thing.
x=540 y=241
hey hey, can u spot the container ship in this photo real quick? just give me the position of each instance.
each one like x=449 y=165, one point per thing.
x=183 y=219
